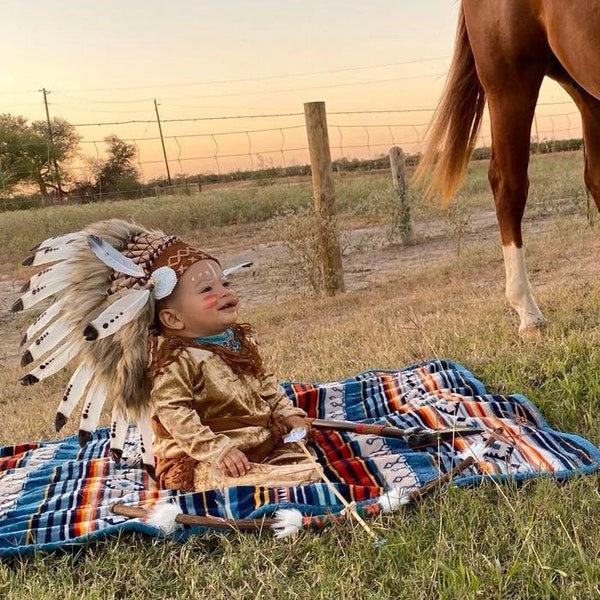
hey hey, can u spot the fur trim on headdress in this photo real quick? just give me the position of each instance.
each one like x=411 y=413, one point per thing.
x=105 y=277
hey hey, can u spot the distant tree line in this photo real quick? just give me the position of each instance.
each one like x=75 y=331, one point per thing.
x=36 y=166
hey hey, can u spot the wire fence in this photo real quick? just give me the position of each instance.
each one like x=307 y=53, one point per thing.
x=352 y=135
x=183 y=154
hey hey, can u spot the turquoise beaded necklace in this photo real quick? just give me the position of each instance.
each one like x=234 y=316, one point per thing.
x=227 y=339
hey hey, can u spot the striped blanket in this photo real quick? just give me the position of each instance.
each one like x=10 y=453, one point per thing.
x=54 y=494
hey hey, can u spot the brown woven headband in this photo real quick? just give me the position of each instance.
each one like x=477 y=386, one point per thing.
x=154 y=250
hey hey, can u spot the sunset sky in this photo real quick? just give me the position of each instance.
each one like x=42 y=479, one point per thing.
x=210 y=61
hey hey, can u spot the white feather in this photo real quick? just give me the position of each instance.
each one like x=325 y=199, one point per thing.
x=119 y=313
x=49 y=274
x=92 y=407
x=59 y=240
x=41 y=292
x=144 y=427
x=476 y=450
x=118 y=433
x=391 y=500
x=239 y=267
x=47 y=340
x=49 y=254
x=54 y=363
x=111 y=257
x=42 y=320
x=73 y=393
x=295 y=435
x=288 y=521
x=163 y=516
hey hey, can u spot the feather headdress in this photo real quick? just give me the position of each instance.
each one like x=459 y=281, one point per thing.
x=105 y=280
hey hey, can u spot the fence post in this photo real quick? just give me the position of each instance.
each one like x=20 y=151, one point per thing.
x=403 y=222
x=324 y=197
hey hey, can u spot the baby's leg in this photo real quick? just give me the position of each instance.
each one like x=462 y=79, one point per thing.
x=177 y=474
x=207 y=476
x=287 y=454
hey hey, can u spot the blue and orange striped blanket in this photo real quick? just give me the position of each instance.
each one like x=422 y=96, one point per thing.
x=54 y=494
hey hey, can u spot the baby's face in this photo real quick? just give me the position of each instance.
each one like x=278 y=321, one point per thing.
x=204 y=301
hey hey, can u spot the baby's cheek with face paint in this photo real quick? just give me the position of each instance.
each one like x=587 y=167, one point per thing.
x=209 y=301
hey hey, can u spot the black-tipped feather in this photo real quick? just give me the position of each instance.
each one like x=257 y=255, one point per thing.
x=26 y=359
x=83 y=437
x=90 y=333
x=17 y=306
x=116 y=454
x=151 y=471
x=59 y=421
x=29 y=379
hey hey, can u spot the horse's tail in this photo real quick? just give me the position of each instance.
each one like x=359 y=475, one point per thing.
x=453 y=130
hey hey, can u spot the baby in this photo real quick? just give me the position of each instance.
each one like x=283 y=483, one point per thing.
x=218 y=416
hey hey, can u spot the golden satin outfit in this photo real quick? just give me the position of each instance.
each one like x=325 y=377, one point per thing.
x=197 y=387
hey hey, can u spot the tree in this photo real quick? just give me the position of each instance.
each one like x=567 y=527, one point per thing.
x=27 y=156
x=117 y=173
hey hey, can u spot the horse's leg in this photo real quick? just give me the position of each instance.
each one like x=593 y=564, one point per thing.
x=511 y=54
x=511 y=115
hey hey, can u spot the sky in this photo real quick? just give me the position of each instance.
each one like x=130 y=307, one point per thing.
x=230 y=77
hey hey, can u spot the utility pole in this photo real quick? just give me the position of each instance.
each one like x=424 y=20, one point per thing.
x=51 y=136
x=162 y=141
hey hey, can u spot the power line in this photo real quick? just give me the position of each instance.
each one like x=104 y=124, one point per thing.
x=262 y=78
x=263 y=92
x=312 y=87
x=20 y=92
x=88 y=101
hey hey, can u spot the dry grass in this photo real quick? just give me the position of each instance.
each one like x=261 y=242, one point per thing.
x=538 y=540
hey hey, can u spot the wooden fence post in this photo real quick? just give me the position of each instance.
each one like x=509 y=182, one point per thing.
x=403 y=222
x=324 y=197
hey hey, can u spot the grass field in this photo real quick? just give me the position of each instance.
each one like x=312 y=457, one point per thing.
x=442 y=297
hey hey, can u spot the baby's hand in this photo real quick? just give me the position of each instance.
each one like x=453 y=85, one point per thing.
x=296 y=422
x=281 y=426
x=234 y=463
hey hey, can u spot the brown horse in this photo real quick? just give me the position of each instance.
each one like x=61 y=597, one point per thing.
x=503 y=50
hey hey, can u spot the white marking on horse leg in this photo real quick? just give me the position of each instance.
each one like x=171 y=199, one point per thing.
x=518 y=289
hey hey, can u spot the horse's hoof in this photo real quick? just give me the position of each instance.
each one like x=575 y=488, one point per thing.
x=532 y=332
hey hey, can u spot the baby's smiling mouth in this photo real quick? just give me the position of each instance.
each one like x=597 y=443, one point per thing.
x=227 y=305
